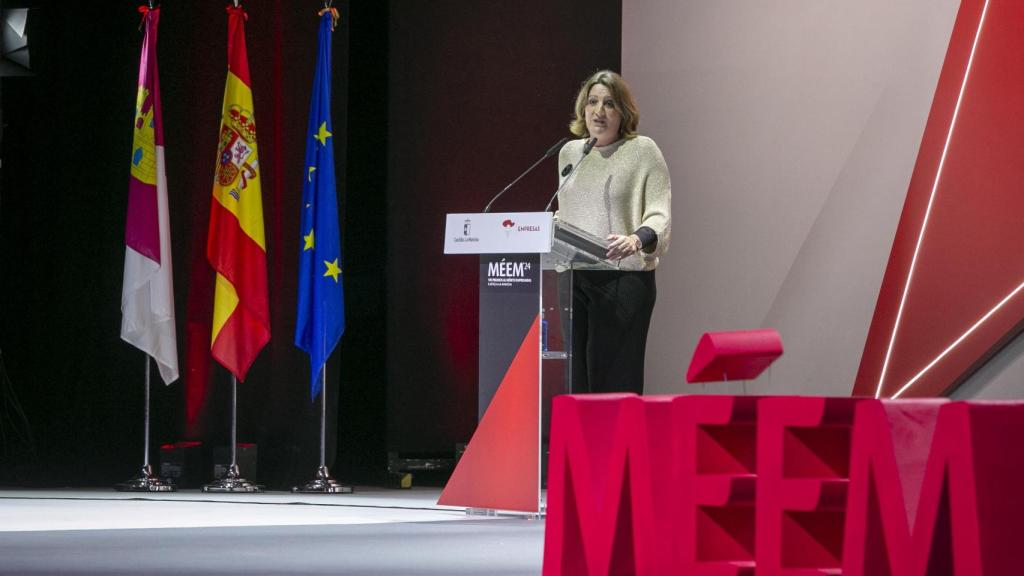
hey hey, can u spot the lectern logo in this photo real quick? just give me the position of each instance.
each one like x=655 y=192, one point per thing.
x=505 y=273
x=467 y=233
x=510 y=226
x=505 y=269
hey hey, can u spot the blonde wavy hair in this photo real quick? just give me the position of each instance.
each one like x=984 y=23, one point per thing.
x=622 y=96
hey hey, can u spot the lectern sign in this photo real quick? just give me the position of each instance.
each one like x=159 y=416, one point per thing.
x=498 y=233
x=519 y=271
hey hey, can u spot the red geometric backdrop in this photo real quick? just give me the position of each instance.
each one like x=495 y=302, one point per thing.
x=952 y=292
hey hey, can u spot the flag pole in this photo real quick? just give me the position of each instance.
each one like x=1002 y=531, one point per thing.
x=232 y=481
x=323 y=418
x=145 y=481
x=233 y=468
x=147 y=304
x=322 y=483
x=314 y=307
x=145 y=449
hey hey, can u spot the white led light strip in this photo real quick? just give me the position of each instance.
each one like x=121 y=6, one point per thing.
x=924 y=225
x=958 y=340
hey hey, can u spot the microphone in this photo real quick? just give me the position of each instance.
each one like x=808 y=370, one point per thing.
x=551 y=152
x=572 y=169
x=586 y=150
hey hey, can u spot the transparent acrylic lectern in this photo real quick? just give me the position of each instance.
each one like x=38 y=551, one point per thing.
x=571 y=249
x=525 y=354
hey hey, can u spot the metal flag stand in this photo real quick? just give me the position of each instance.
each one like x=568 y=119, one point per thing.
x=323 y=483
x=232 y=481
x=146 y=481
x=320 y=310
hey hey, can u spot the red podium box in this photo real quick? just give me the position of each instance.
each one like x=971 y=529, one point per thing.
x=735 y=355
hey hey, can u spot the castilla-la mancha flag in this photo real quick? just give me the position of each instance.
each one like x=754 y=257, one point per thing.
x=236 y=247
x=147 y=294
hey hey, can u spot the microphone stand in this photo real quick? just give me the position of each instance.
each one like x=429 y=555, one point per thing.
x=551 y=151
x=586 y=150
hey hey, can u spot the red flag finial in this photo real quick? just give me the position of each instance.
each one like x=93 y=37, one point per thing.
x=144 y=10
x=236 y=8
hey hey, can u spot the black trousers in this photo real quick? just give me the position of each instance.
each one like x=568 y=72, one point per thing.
x=611 y=312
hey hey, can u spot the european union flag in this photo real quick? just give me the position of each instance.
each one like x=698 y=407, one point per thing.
x=321 y=314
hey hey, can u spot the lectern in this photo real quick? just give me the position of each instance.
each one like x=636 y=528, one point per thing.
x=522 y=361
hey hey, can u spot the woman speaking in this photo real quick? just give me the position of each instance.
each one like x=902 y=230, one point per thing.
x=621 y=191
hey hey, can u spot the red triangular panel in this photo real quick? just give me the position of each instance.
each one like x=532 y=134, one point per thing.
x=953 y=290
x=500 y=469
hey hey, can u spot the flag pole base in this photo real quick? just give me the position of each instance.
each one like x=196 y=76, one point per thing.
x=322 y=484
x=232 y=482
x=146 y=481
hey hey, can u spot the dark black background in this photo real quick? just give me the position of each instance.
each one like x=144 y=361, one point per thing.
x=436 y=106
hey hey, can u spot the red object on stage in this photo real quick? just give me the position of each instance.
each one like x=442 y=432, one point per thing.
x=721 y=485
x=956 y=509
x=803 y=449
x=601 y=490
x=712 y=503
x=501 y=465
x=735 y=355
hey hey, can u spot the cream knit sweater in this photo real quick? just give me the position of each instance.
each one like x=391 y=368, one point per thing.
x=617 y=189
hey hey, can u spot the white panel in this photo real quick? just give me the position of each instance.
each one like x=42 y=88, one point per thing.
x=791 y=129
x=498 y=233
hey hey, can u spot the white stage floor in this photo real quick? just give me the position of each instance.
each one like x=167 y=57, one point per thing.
x=374 y=531
x=35 y=510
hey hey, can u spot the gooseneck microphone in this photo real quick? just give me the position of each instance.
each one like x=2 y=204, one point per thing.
x=551 y=152
x=571 y=170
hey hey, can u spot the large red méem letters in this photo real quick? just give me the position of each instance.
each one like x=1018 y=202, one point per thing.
x=743 y=486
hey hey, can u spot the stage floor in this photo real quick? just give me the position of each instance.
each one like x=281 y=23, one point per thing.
x=373 y=531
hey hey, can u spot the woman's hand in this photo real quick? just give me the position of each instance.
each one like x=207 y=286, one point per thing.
x=620 y=246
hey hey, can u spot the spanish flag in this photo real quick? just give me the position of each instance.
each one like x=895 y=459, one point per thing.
x=236 y=247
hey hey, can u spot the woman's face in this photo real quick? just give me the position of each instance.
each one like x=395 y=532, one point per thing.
x=602 y=115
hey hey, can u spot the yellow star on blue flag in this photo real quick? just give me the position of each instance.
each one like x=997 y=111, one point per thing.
x=333 y=270
x=322 y=134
